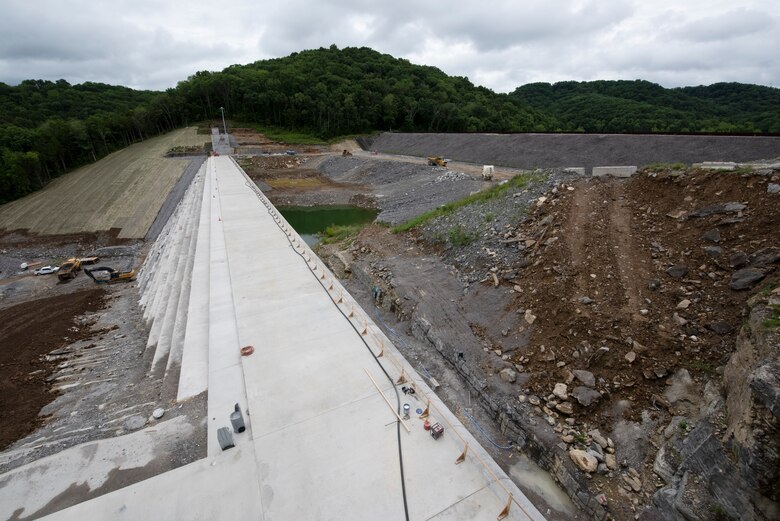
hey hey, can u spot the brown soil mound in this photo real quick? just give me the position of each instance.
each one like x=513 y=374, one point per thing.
x=605 y=301
x=28 y=332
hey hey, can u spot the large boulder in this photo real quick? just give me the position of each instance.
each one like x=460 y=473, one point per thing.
x=586 y=396
x=586 y=377
x=508 y=375
x=585 y=461
x=765 y=257
x=716 y=209
x=746 y=278
x=677 y=271
x=561 y=391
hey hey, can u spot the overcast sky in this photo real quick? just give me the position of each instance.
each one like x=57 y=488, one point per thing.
x=500 y=44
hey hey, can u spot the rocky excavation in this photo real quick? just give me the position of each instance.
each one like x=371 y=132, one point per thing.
x=623 y=333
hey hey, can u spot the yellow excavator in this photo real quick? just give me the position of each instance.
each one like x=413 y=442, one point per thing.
x=106 y=275
x=436 y=161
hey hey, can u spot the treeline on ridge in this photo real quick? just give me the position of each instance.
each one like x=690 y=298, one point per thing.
x=642 y=106
x=48 y=128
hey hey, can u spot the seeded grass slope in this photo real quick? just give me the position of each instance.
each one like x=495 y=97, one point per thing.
x=518 y=181
x=124 y=190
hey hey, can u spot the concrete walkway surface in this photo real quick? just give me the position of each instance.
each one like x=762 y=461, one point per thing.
x=319 y=394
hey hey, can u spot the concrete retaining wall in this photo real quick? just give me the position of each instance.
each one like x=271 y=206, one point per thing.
x=614 y=171
x=529 y=151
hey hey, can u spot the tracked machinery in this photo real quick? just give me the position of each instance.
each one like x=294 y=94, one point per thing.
x=108 y=275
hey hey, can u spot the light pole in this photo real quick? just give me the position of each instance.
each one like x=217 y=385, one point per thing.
x=222 y=110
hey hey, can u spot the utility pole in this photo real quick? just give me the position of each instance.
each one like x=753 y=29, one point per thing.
x=222 y=110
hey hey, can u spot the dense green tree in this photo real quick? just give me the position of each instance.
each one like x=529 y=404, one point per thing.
x=331 y=92
x=641 y=106
x=47 y=128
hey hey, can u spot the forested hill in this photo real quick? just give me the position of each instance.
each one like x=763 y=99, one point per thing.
x=32 y=102
x=332 y=92
x=641 y=106
x=47 y=128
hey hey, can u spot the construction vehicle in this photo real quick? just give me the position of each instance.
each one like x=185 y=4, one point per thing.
x=107 y=275
x=436 y=161
x=69 y=269
x=346 y=153
x=487 y=172
x=89 y=260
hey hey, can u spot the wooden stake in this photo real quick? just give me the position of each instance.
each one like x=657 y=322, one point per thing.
x=341 y=298
x=365 y=328
x=426 y=412
x=381 y=349
x=402 y=378
x=388 y=402
x=351 y=312
x=462 y=456
x=505 y=512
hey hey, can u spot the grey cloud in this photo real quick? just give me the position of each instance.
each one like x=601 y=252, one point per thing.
x=502 y=44
x=727 y=26
x=523 y=23
x=30 y=34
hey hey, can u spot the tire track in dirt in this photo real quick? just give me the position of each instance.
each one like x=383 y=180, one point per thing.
x=631 y=268
x=600 y=220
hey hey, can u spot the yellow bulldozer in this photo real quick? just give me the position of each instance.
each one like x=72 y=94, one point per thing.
x=436 y=161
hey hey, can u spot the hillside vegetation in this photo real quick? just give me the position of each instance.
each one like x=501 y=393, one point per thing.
x=641 y=106
x=48 y=128
x=332 y=92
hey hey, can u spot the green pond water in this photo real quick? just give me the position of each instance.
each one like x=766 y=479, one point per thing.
x=308 y=221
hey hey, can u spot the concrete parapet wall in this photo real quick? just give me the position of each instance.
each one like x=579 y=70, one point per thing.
x=614 y=171
x=716 y=165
